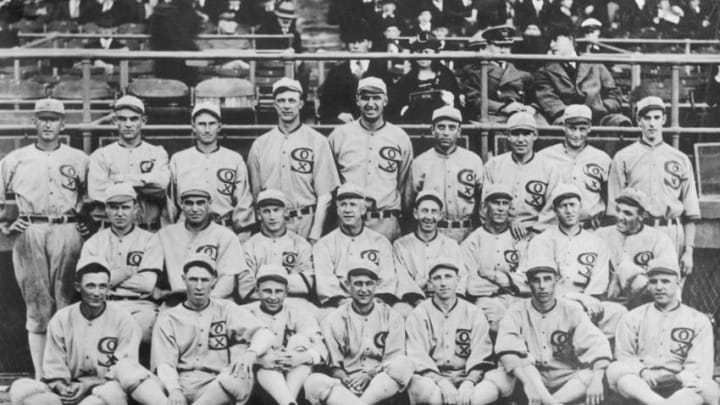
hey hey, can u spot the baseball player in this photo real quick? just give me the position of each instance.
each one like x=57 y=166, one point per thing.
x=531 y=177
x=198 y=234
x=578 y=163
x=133 y=161
x=222 y=169
x=550 y=345
x=664 y=349
x=366 y=346
x=492 y=255
x=46 y=182
x=124 y=247
x=665 y=175
x=349 y=241
x=376 y=155
x=91 y=352
x=632 y=245
x=298 y=342
x=448 y=340
x=453 y=172
x=581 y=258
x=203 y=351
x=297 y=160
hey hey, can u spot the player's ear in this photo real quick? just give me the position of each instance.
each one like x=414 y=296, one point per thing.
x=76 y=284
x=415 y=213
x=144 y=119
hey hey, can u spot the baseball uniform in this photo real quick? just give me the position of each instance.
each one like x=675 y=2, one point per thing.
x=588 y=171
x=143 y=165
x=130 y=284
x=333 y=253
x=561 y=343
x=226 y=177
x=48 y=186
x=458 y=178
x=379 y=162
x=532 y=184
x=299 y=164
x=178 y=243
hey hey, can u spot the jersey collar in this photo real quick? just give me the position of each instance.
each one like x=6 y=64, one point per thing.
x=427 y=241
x=372 y=131
x=457 y=300
x=96 y=316
x=43 y=150
x=540 y=310
x=490 y=231
x=344 y=232
x=132 y=229
x=521 y=163
x=292 y=131
x=217 y=148
x=265 y=310
x=580 y=229
x=675 y=308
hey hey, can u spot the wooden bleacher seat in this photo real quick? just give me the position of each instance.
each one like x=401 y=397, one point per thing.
x=236 y=98
x=166 y=101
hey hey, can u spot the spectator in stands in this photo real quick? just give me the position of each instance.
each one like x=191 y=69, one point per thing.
x=562 y=12
x=558 y=84
x=697 y=20
x=121 y=11
x=10 y=11
x=255 y=12
x=531 y=12
x=635 y=16
x=106 y=42
x=533 y=42
x=596 y=9
x=8 y=39
x=667 y=21
x=459 y=16
x=173 y=27
x=80 y=11
x=337 y=94
x=283 y=22
x=428 y=86
x=423 y=23
x=210 y=10
x=590 y=29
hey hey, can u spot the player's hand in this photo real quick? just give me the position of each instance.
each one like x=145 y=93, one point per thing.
x=83 y=229
x=19 y=226
x=448 y=392
x=650 y=376
x=447 y=97
x=243 y=366
x=686 y=262
x=595 y=393
x=465 y=392
x=273 y=359
x=72 y=393
x=345 y=117
x=176 y=397
x=518 y=230
x=358 y=381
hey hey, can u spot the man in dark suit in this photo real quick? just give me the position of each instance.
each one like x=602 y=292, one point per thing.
x=531 y=12
x=636 y=16
x=457 y=15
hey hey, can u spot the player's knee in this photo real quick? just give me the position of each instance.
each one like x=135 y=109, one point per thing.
x=110 y=393
x=401 y=370
x=318 y=388
x=709 y=391
x=421 y=390
x=299 y=342
x=403 y=308
x=129 y=374
x=615 y=372
x=26 y=391
x=238 y=388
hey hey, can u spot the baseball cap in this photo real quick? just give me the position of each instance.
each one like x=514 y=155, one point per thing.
x=577 y=113
x=633 y=197
x=493 y=191
x=499 y=35
x=49 y=105
x=285 y=9
x=271 y=196
x=120 y=192
x=541 y=264
x=199 y=259
x=372 y=84
x=442 y=263
x=447 y=112
x=428 y=194
x=211 y=108
x=650 y=103
x=349 y=190
x=590 y=24
x=285 y=84
x=662 y=266
x=563 y=191
x=522 y=120
x=196 y=190
x=273 y=272
x=91 y=264
x=363 y=267
x=130 y=102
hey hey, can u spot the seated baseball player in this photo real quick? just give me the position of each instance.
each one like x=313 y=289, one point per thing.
x=448 y=340
x=550 y=345
x=203 y=350
x=632 y=245
x=414 y=251
x=491 y=256
x=124 y=246
x=664 y=349
x=298 y=342
x=199 y=234
x=582 y=259
x=366 y=345
x=91 y=352
x=351 y=240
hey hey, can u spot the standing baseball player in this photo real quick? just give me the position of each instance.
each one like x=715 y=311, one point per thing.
x=298 y=342
x=222 y=169
x=448 y=340
x=297 y=160
x=132 y=160
x=124 y=247
x=665 y=175
x=203 y=351
x=376 y=155
x=453 y=172
x=366 y=346
x=91 y=356
x=578 y=163
x=492 y=255
x=198 y=234
x=46 y=181
x=531 y=177
x=664 y=349
x=550 y=345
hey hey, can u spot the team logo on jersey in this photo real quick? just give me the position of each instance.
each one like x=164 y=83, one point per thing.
x=587 y=263
x=595 y=174
x=371 y=254
x=675 y=176
x=466 y=178
x=391 y=156
x=134 y=258
x=379 y=340
x=217 y=338
x=70 y=181
x=643 y=258
x=147 y=165
x=683 y=337
x=462 y=343
x=107 y=346
x=303 y=160
x=227 y=179
x=536 y=190
x=512 y=258
x=562 y=347
x=210 y=250
x=289 y=259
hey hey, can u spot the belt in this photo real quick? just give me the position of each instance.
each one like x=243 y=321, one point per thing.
x=382 y=214
x=306 y=210
x=44 y=219
x=598 y=221
x=464 y=224
x=155 y=226
x=122 y=298
x=660 y=221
